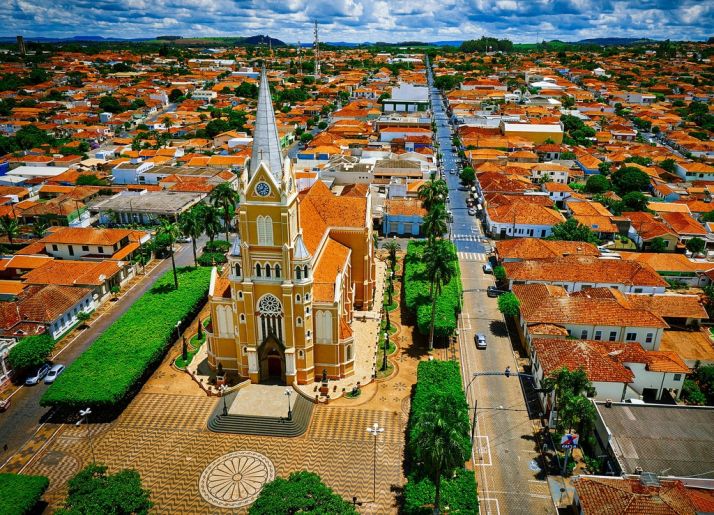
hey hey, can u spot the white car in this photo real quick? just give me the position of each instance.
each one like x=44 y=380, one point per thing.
x=184 y=239
x=53 y=373
x=480 y=340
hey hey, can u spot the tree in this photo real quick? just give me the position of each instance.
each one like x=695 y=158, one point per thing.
x=634 y=201
x=225 y=197
x=115 y=289
x=440 y=441
x=305 y=137
x=392 y=246
x=434 y=224
x=109 y=104
x=191 y=227
x=509 y=305
x=247 y=90
x=93 y=491
x=31 y=351
x=89 y=179
x=669 y=165
x=170 y=231
x=575 y=411
x=695 y=245
x=629 y=178
x=175 y=95
x=604 y=168
x=433 y=192
x=215 y=127
x=439 y=270
x=572 y=230
x=9 y=227
x=597 y=184
x=83 y=317
x=211 y=220
x=40 y=228
x=302 y=492
x=658 y=245
x=468 y=175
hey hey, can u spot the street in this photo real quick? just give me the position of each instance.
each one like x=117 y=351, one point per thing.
x=21 y=420
x=505 y=452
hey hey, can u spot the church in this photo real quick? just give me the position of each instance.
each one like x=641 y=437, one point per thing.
x=282 y=308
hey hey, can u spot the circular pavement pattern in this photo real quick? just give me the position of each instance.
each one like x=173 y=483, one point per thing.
x=235 y=479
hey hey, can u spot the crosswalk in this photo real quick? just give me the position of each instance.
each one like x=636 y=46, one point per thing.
x=472 y=256
x=467 y=237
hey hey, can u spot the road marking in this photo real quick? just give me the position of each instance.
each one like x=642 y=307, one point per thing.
x=482 y=450
x=485 y=504
x=472 y=256
x=40 y=449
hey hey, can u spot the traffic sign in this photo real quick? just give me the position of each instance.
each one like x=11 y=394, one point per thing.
x=569 y=441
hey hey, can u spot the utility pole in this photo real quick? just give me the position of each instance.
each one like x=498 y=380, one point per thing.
x=316 y=49
x=299 y=58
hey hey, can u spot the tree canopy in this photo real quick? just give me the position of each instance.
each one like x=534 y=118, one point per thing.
x=629 y=178
x=597 y=184
x=572 y=230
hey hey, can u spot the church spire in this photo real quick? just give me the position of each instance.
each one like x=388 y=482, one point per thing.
x=266 y=143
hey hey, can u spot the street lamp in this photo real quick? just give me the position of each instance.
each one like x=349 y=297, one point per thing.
x=375 y=431
x=222 y=389
x=84 y=417
x=178 y=330
x=288 y=393
x=386 y=349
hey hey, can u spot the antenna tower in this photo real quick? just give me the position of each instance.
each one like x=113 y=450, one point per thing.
x=316 y=48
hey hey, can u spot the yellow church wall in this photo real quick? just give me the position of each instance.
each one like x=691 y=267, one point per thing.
x=362 y=270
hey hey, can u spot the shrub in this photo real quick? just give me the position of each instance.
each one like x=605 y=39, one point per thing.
x=458 y=493
x=31 y=351
x=113 y=367
x=20 y=493
x=692 y=394
x=217 y=246
x=211 y=258
x=417 y=287
x=509 y=305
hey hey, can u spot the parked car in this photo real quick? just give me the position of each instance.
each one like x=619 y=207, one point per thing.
x=53 y=373
x=487 y=268
x=492 y=291
x=472 y=211
x=184 y=239
x=38 y=376
x=480 y=340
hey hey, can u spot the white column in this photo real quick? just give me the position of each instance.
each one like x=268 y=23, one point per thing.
x=252 y=361
x=289 y=362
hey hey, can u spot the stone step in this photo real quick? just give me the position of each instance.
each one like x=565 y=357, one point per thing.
x=264 y=426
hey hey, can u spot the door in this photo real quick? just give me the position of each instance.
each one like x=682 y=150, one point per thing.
x=275 y=367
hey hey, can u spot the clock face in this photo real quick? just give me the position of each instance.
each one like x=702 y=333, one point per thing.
x=262 y=189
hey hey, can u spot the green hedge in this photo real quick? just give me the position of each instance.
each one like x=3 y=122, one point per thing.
x=31 y=351
x=458 y=493
x=114 y=366
x=217 y=246
x=212 y=258
x=438 y=378
x=20 y=493
x=417 y=287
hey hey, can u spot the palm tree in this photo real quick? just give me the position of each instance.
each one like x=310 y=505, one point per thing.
x=433 y=192
x=439 y=270
x=441 y=441
x=226 y=198
x=191 y=227
x=434 y=223
x=392 y=247
x=211 y=221
x=171 y=231
x=9 y=227
x=40 y=228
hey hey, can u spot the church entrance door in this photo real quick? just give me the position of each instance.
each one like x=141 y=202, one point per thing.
x=275 y=365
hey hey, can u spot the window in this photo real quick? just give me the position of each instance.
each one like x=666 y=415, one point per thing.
x=308 y=334
x=236 y=269
x=71 y=250
x=677 y=377
x=297 y=298
x=324 y=327
x=598 y=335
x=265 y=230
x=348 y=353
x=257 y=270
x=298 y=273
x=613 y=335
x=240 y=294
x=304 y=270
x=298 y=321
x=277 y=271
x=307 y=311
x=54 y=247
x=267 y=270
x=85 y=248
x=584 y=334
x=637 y=290
x=100 y=250
x=307 y=297
x=649 y=338
x=242 y=318
x=631 y=337
x=301 y=354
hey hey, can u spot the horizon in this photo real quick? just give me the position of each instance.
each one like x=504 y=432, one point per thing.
x=359 y=21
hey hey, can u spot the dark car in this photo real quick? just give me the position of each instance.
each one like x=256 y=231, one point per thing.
x=492 y=291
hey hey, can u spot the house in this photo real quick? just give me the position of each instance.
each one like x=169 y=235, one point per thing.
x=552 y=172
x=520 y=218
x=691 y=171
x=673 y=267
x=645 y=229
x=558 y=192
x=407 y=98
x=89 y=243
x=100 y=276
x=50 y=309
x=521 y=249
x=684 y=225
x=601 y=314
x=672 y=439
x=594 y=216
x=580 y=272
x=403 y=217
x=644 y=494
x=588 y=164
x=618 y=371
x=535 y=133
x=145 y=207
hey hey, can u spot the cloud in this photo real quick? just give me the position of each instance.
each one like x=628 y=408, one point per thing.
x=362 y=20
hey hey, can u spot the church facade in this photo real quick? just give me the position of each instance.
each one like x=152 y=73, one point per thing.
x=281 y=310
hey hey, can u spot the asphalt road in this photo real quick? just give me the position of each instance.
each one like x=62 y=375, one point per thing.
x=505 y=454
x=25 y=414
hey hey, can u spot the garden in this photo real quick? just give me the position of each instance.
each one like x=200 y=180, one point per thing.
x=192 y=346
x=438 y=443
x=117 y=363
x=19 y=493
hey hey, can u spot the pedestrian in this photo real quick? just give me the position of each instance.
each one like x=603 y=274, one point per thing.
x=4 y=448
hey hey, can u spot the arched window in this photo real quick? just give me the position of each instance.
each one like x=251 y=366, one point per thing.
x=297 y=298
x=301 y=354
x=304 y=269
x=307 y=297
x=240 y=294
x=225 y=322
x=298 y=273
x=324 y=327
x=267 y=270
x=277 y=271
x=271 y=317
x=242 y=318
x=298 y=321
x=257 y=270
x=265 y=230
x=236 y=269
x=348 y=353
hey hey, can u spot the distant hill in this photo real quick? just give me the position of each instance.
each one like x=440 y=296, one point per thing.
x=237 y=40
x=615 y=41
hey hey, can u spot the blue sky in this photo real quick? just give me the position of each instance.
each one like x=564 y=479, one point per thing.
x=363 y=20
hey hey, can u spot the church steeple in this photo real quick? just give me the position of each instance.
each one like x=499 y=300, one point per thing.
x=266 y=143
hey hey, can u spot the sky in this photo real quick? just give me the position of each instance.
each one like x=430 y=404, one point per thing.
x=522 y=21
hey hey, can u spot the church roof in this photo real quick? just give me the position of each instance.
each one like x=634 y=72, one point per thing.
x=235 y=247
x=301 y=253
x=266 y=143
